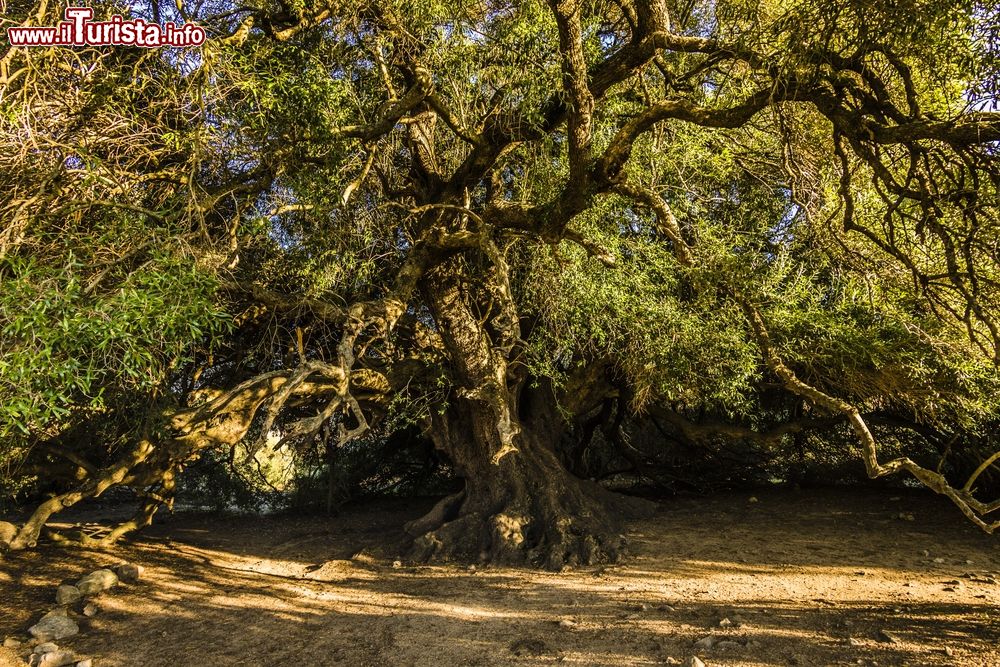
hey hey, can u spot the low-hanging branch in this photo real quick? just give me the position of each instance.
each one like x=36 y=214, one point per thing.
x=974 y=509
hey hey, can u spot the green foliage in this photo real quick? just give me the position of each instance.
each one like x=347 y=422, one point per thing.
x=61 y=348
x=137 y=183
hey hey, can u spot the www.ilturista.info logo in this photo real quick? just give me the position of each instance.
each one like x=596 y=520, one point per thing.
x=79 y=30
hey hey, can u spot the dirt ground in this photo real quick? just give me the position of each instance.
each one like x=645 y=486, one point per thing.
x=809 y=578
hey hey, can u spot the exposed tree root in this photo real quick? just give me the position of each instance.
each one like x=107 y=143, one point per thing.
x=570 y=522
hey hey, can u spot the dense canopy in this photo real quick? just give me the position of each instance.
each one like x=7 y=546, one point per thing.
x=522 y=231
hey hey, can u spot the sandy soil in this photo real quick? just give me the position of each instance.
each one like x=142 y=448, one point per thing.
x=810 y=578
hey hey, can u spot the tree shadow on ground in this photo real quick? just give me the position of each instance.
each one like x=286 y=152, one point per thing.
x=287 y=592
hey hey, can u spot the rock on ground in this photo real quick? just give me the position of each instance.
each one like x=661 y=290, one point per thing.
x=97 y=581
x=54 y=625
x=67 y=594
x=53 y=659
x=129 y=572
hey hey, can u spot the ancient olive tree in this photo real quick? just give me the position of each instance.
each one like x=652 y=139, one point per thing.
x=499 y=218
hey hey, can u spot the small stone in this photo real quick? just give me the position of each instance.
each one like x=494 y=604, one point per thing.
x=667 y=608
x=471 y=569
x=11 y=642
x=939 y=560
x=67 y=594
x=396 y=564
x=727 y=645
x=753 y=499
x=907 y=516
x=970 y=562
x=851 y=641
x=725 y=623
x=90 y=610
x=670 y=660
x=642 y=607
x=97 y=581
x=7 y=532
x=705 y=642
x=948 y=651
x=85 y=663
x=948 y=589
x=694 y=661
x=54 y=626
x=47 y=647
x=567 y=623
x=129 y=572
x=925 y=553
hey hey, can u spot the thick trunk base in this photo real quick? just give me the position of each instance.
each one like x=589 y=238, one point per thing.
x=529 y=512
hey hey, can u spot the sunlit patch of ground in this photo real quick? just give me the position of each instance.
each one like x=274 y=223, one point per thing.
x=815 y=578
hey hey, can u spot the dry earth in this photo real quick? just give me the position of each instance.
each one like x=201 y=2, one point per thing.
x=810 y=578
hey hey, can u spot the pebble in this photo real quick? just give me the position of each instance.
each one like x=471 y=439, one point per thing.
x=753 y=499
x=694 y=661
x=67 y=594
x=728 y=645
x=90 y=610
x=396 y=564
x=47 y=647
x=939 y=560
x=567 y=623
x=725 y=623
x=11 y=642
x=85 y=663
x=705 y=642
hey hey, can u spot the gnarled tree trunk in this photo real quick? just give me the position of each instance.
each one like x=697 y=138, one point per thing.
x=519 y=503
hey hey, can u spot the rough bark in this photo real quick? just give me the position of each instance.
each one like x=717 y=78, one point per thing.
x=519 y=504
